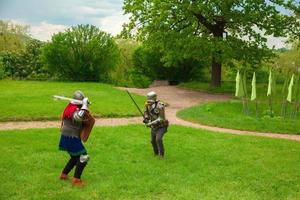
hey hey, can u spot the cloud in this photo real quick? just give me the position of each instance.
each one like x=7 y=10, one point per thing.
x=50 y=16
x=45 y=30
x=111 y=24
x=276 y=42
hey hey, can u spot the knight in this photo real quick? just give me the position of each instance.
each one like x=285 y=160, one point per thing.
x=155 y=119
x=77 y=123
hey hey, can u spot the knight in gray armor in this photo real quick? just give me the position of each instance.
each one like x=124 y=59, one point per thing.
x=70 y=140
x=155 y=119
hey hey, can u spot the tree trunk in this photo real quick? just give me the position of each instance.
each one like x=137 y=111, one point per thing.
x=217 y=28
x=215 y=73
x=216 y=64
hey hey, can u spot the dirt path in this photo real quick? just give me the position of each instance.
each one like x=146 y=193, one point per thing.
x=176 y=98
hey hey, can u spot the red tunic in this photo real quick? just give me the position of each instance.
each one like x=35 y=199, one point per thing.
x=69 y=110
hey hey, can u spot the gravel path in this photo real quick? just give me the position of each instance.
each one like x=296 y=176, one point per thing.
x=176 y=98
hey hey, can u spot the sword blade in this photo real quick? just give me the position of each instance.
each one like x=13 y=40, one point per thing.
x=67 y=99
x=135 y=104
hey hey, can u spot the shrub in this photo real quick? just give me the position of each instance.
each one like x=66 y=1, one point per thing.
x=24 y=64
x=81 y=53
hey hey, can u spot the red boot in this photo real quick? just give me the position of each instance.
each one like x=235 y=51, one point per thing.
x=63 y=176
x=77 y=182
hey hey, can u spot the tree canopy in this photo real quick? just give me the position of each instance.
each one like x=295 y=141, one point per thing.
x=219 y=30
x=13 y=37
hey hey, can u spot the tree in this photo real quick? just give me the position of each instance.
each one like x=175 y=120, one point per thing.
x=148 y=62
x=121 y=74
x=32 y=59
x=81 y=53
x=218 y=30
x=25 y=63
x=13 y=37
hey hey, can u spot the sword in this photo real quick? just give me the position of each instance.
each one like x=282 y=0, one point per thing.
x=135 y=104
x=76 y=101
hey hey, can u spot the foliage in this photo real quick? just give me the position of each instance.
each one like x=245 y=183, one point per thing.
x=199 y=164
x=195 y=29
x=287 y=62
x=33 y=61
x=149 y=62
x=139 y=80
x=26 y=63
x=13 y=37
x=2 y=72
x=121 y=75
x=82 y=53
x=146 y=63
x=32 y=100
x=14 y=66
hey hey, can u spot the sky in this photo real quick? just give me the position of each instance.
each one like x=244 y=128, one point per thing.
x=47 y=17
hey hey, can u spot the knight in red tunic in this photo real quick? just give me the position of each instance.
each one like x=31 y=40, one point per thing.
x=73 y=129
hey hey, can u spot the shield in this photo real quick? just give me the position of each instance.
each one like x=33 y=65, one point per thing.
x=88 y=124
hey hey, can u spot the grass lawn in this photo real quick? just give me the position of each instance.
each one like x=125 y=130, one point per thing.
x=230 y=115
x=226 y=87
x=229 y=88
x=198 y=165
x=32 y=100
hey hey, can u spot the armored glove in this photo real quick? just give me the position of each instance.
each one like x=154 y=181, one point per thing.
x=149 y=124
x=146 y=120
x=85 y=104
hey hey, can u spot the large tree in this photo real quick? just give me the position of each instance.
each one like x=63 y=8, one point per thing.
x=218 y=30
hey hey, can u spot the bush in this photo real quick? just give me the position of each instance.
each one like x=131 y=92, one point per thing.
x=121 y=75
x=24 y=64
x=2 y=72
x=81 y=53
x=140 y=81
x=148 y=62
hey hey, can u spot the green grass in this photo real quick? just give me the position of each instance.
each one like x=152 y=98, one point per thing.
x=230 y=115
x=32 y=100
x=198 y=165
x=229 y=88
x=226 y=87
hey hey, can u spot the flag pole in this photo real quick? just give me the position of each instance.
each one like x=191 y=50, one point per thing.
x=238 y=88
x=269 y=93
x=253 y=93
x=284 y=102
x=245 y=92
x=296 y=97
x=290 y=94
x=256 y=108
x=270 y=104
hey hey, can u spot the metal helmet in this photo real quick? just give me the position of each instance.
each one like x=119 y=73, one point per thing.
x=151 y=97
x=78 y=95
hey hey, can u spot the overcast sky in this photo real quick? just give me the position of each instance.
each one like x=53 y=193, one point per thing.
x=46 y=17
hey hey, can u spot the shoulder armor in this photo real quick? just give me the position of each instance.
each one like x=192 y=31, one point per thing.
x=160 y=105
x=78 y=115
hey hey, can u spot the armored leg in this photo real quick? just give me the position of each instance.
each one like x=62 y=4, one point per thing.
x=153 y=142
x=159 y=135
x=71 y=163
x=80 y=165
